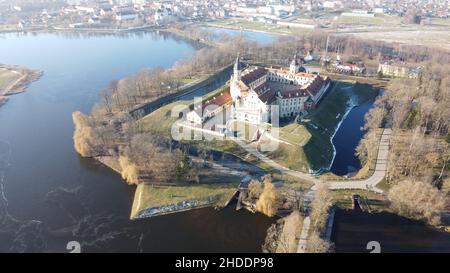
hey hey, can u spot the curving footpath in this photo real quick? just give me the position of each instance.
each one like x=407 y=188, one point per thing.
x=365 y=184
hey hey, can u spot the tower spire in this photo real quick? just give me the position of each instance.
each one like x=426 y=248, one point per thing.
x=294 y=67
x=237 y=68
x=237 y=63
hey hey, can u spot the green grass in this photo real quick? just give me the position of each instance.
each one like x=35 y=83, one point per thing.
x=384 y=185
x=148 y=196
x=291 y=156
x=160 y=121
x=295 y=134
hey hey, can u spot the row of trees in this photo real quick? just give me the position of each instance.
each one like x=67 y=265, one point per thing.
x=419 y=114
x=150 y=84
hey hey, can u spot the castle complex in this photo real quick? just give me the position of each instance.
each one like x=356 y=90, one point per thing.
x=254 y=90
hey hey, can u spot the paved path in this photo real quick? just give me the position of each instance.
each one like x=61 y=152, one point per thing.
x=301 y=247
x=366 y=184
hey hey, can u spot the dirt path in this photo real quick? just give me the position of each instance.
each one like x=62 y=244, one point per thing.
x=12 y=85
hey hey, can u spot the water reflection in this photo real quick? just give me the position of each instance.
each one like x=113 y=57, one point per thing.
x=353 y=230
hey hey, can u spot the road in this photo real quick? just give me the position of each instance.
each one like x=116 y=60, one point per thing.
x=365 y=184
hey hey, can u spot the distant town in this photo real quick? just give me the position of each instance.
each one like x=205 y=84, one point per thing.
x=19 y=14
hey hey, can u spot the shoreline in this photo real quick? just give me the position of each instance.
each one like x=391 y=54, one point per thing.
x=140 y=212
x=20 y=85
x=111 y=31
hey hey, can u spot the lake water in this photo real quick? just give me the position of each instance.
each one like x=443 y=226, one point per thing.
x=260 y=37
x=50 y=195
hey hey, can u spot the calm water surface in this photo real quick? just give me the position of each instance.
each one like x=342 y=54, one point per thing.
x=347 y=138
x=260 y=37
x=354 y=229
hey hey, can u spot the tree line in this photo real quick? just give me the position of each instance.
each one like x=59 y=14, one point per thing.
x=418 y=112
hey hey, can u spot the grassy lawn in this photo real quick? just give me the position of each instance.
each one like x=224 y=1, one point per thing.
x=378 y=20
x=291 y=156
x=148 y=196
x=295 y=134
x=384 y=185
x=160 y=121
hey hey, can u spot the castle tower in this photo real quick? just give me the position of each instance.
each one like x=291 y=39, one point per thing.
x=295 y=66
x=235 y=91
x=237 y=69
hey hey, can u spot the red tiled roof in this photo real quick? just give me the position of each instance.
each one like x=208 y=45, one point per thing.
x=218 y=100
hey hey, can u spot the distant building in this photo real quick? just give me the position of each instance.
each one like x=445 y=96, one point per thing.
x=311 y=57
x=332 y=4
x=126 y=15
x=162 y=15
x=86 y=9
x=348 y=68
x=399 y=69
x=378 y=10
x=358 y=13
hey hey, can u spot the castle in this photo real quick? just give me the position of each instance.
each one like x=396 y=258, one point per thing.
x=254 y=90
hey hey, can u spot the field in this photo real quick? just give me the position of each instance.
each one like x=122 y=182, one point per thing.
x=378 y=20
x=258 y=26
x=423 y=37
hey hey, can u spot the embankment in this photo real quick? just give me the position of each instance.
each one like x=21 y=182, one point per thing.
x=324 y=122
